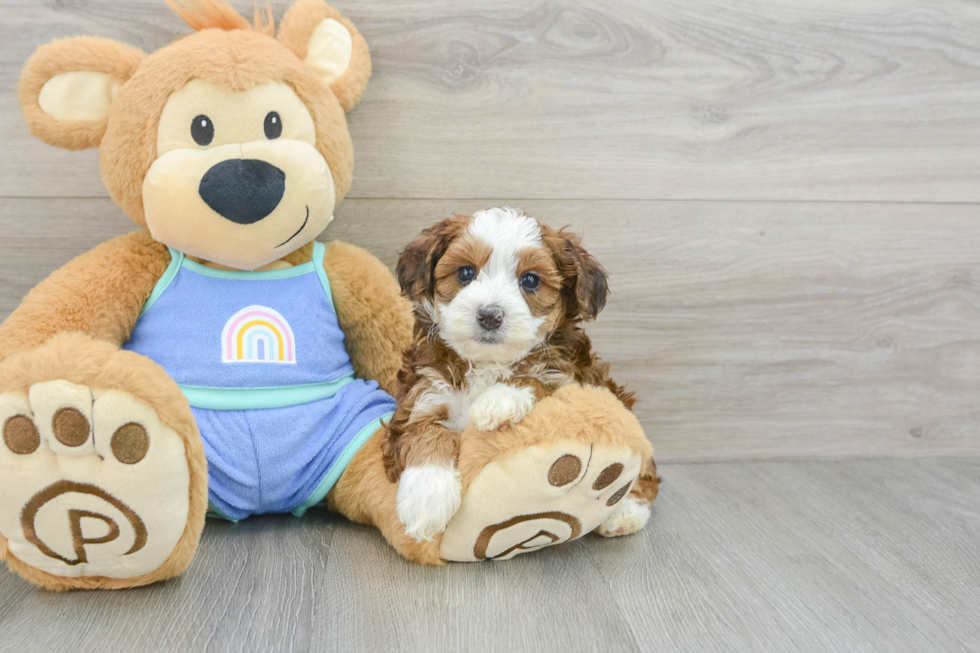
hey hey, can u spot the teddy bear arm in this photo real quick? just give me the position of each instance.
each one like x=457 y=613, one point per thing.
x=99 y=293
x=375 y=318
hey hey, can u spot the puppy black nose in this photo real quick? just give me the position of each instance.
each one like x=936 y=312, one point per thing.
x=243 y=190
x=490 y=317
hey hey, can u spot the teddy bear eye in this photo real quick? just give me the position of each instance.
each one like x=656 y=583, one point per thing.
x=202 y=130
x=273 y=125
x=466 y=274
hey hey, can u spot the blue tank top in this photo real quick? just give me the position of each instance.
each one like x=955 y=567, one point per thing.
x=245 y=340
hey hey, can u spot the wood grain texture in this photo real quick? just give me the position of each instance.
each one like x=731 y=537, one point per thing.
x=840 y=321
x=624 y=99
x=749 y=330
x=847 y=556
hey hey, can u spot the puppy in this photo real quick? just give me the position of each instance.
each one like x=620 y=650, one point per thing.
x=498 y=299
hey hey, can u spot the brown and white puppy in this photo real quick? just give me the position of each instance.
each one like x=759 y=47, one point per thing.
x=498 y=300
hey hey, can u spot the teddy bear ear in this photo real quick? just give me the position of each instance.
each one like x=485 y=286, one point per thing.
x=319 y=35
x=67 y=86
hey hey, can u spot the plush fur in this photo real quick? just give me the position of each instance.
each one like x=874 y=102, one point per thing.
x=215 y=56
x=83 y=360
x=99 y=293
x=297 y=27
x=588 y=414
x=207 y=15
x=376 y=319
x=69 y=55
x=71 y=326
x=237 y=60
x=364 y=495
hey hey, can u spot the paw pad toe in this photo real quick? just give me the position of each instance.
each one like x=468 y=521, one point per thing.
x=607 y=476
x=20 y=435
x=564 y=470
x=70 y=427
x=130 y=443
x=619 y=494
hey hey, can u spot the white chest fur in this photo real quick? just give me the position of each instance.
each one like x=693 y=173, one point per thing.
x=485 y=400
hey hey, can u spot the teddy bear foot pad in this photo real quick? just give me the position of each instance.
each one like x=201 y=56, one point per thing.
x=92 y=484
x=565 y=491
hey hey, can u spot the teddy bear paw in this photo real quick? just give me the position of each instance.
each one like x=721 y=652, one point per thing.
x=541 y=496
x=92 y=483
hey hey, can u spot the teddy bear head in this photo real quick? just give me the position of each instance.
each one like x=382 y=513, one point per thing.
x=229 y=144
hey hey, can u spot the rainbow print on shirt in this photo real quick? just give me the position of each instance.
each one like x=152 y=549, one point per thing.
x=258 y=334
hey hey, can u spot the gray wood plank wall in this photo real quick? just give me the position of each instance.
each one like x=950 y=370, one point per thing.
x=785 y=194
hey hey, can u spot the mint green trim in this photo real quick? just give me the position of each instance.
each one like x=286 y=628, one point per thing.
x=176 y=258
x=243 y=275
x=214 y=512
x=259 y=398
x=319 y=249
x=339 y=465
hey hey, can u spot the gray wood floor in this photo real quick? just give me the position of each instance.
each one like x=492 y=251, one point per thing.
x=828 y=556
x=787 y=197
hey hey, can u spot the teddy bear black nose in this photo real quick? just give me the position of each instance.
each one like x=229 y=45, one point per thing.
x=243 y=190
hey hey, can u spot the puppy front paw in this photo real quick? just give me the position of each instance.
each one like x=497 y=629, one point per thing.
x=428 y=497
x=500 y=405
x=629 y=517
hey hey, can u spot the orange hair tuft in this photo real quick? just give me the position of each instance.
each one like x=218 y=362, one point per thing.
x=264 y=22
x=218 y=14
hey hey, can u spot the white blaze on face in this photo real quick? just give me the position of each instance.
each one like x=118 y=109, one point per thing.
x=507 y=231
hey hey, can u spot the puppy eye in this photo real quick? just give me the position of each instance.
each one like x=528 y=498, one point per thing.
x=273 y=125
x=530 y=282
x=202 y=130
x=466 y=274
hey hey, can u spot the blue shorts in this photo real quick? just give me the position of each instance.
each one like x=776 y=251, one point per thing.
x=287 y=459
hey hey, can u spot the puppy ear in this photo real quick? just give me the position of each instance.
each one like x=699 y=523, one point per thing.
x=67 y=86
x=586 y=287
x=319 y=35
x=592 y=288
x=413 y=269
x=417 y=262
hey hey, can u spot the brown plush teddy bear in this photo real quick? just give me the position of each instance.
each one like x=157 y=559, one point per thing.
x=220 y=358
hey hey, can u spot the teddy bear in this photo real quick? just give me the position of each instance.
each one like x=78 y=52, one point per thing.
x=222 y=361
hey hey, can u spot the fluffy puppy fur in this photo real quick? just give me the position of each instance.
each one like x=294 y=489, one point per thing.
x=498 y=301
